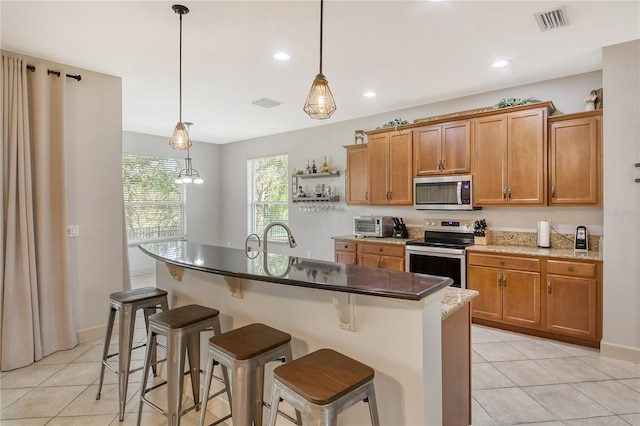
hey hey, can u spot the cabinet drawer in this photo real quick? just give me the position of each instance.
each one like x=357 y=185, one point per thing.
x=507 y=262
x=572 y=269
x=344 y=246
x=382 y=249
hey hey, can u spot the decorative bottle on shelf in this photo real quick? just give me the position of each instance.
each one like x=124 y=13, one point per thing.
x=313 y=168
x=308 y=167
x=325 y=166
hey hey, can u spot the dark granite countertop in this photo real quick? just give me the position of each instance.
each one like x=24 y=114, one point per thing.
x=296 y=271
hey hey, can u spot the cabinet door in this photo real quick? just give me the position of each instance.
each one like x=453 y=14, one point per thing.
x=521 y=298
x=527 y=158
x=456 y=147
x=369 y=260
x=377 y=167
x=356 y=179
x=487 y=281
x=427 y=143
x=346 y=257
x=400 y=168
x=490 y=160
x=392 y=263
x=573 y=161
x=571 y=305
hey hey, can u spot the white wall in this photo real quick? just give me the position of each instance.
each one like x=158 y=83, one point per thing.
x=313 y=230
x=203 y=201
x=94 y=190
x=621 y=68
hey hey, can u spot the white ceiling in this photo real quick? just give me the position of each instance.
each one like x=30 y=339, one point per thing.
x=408 y=52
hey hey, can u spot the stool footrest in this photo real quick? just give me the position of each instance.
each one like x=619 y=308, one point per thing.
x=285 y=415
x=217 y=422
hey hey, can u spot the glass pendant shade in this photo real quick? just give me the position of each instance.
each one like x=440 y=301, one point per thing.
x=180 y=139
x=320 y=104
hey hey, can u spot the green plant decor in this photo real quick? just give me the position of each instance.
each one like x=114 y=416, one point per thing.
x=393 y=123
x=509 y=102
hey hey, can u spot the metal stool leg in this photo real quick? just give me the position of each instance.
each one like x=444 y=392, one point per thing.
x=176 y=348
x=154 y=356
x=275 y=402
x=258 y=394
x=193 y=351
x=225 y=371
x=105 y=352
x=373 y=406
x=126 y=326
x=242 y=401
x=151 y=340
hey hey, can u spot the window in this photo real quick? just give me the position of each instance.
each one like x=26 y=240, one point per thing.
x=267 y=193
x=154 y=204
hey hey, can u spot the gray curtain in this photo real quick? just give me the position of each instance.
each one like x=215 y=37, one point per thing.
x=36 y=316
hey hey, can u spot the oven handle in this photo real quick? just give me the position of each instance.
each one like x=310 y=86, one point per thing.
x=435 y=251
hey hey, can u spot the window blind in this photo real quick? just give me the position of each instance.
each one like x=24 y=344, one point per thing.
x=267 y=193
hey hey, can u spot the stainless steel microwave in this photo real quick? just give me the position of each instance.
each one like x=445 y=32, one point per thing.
x=372 y=226
x=443 y=193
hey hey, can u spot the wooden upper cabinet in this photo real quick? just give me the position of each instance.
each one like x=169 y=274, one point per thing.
x=442 y=149
x=490 y=160
x=356 y=175
x=510 y=158
x=575 y=159
x=389 y=165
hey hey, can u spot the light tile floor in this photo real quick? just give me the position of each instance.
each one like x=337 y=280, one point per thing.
x=516 y=379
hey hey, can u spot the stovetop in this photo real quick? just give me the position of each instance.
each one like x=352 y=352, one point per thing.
x=443 y=244
x=440 y=233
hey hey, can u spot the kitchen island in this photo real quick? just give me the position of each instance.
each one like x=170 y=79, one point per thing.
x=389 y=320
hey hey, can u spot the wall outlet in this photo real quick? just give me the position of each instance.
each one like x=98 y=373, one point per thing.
x=73 y=230
x=309 y=254
x=228 y=243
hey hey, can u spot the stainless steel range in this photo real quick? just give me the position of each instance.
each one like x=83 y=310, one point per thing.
x=442 y=250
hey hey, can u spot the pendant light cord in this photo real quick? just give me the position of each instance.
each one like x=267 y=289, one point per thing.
x=321 y=15
x=181 y=68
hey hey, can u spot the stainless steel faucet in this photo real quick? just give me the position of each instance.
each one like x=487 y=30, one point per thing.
x=292 y=242
x=247 y=247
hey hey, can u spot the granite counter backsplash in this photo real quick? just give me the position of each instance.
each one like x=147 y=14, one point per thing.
x=529 y=239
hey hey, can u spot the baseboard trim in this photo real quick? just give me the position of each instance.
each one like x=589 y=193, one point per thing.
x=144 y=271
x=90 y=334
x=621 y=352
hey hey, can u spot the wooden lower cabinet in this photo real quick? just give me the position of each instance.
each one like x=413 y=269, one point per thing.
x=372 y=255
x=572 y=306
x=510 y=296
x=554 y=298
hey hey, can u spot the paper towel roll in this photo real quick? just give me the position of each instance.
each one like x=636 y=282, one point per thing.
x=544 y=229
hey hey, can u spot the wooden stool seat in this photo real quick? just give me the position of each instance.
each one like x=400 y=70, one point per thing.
x=323 y=376
x=137 y=295
x=321 y=385
x=249 y=341
x=184 y=316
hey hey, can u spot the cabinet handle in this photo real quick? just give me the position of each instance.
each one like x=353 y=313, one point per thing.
x=366 y=195
x=499 y=280
x=553 y=191
x=570 y=268
x=509 y=192
x=345 y=246
x=390 y=195
x=380 y=249
x=504 y=280
x=379 y=263
x=443 y=164
x=504 y=193
x=502 y=261
x=549 y=287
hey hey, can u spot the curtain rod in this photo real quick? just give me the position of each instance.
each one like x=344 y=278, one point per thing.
x=75 y=77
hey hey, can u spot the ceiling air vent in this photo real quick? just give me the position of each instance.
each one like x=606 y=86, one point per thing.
x=552 y=19
x=266 y=103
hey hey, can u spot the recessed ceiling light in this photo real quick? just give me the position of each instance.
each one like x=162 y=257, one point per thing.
x=499 y=64
x=281 y=56
x=369 y=94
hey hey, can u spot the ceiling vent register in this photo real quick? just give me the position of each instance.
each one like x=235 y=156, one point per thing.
x=552 y=19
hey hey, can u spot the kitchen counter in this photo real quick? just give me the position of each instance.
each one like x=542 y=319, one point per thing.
x=295 y=271
x=391 y=321
x=384 y=240
x=536 y=251
x=455 y=299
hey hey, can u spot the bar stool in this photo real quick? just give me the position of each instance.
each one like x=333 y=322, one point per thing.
x=181 y=327
x=245 y=351
x=321 y=385
x=127 y=304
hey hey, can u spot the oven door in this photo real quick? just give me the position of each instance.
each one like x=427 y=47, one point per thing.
x=425 y=261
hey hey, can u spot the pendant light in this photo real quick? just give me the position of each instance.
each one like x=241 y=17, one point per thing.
x=320 y=104
x=189 y=174
x=180 y=139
